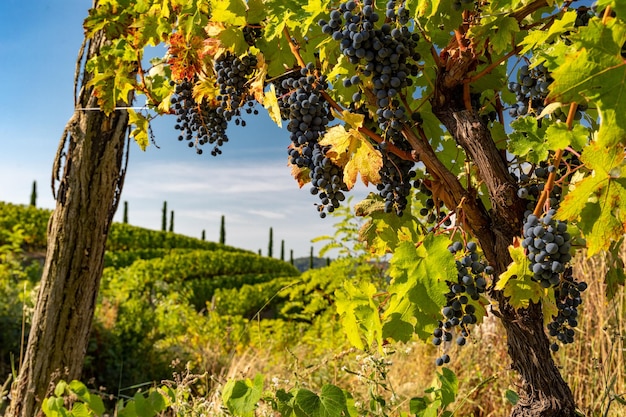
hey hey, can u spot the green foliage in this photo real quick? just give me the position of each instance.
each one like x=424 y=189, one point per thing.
x=124 y=237
x=83 y=403
x=438 y=398
x=18 y=279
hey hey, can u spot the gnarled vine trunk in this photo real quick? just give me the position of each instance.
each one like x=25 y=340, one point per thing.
x=544 y=391
x=94 y=147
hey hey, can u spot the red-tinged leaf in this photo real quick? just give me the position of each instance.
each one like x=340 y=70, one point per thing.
x=185 y=60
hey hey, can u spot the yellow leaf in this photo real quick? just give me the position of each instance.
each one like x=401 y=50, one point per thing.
x=270 y=102
x=213 y=29
x=339 y=140
x=354 y=120
x=353 y=151
x=205 y=89
x=257 y=83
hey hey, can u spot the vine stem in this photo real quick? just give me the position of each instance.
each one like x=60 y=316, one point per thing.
x=557 y=161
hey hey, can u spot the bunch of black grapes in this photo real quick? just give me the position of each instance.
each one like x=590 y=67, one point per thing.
x=548 y=245
x=459 y=314
x=568 y=297
x=199 y=123
x=386 y=54
x=531 y=90
x=233 y=77
x=396 y=175
x=308 y=113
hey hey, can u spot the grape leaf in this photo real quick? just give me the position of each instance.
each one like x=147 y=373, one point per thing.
x=517 y=281
x=594 y=70
x=537 y=38
x=359 y=313
x=499 y=29
x=330 y=403
x=232 y=12
x=558 y=136
x=270 y=102
x=419 y=285
x=384 y=231
x=599 y=200
x=528 y=139
x=241 y=396
x=351 y=150
x=139 y=131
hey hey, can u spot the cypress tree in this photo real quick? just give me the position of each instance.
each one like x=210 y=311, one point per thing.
x=282 y=250
x=125 y=219
x=33 y=195
x=164 y=217
x=260 y=252
x=270 y=245
x=291 y=256
x=311 y=259
x=222 y=231
x=203 y=234
x=172 y=221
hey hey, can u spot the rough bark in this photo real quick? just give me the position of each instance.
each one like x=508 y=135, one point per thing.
x=94 y=146
x=543 y=391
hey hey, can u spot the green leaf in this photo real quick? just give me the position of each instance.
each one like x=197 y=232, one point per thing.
x=231 y=12
x=419 y=286
x=330 y=403
x=449 y=386
x=499 y=29
x=511 y=396
x=93 y=401
x=598 y=202
x=537 y=38
x=533 y=139
x=60 y=388
x=359 y=313
x=80 y=410
x=559 y=136
x=517 y=281
x=595 y=71
x=241 y=396
x=139 y=131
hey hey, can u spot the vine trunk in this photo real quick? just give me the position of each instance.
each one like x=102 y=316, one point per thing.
x=544 y=392
x=93 y=147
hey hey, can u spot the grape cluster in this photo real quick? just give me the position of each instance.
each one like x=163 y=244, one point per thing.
x=531 y=89
x=199 y=123
x=396 y=175
x=531 y=187
x=384 y=54
x=548 y=247
x=470 y=282
x=233 y=74
x=251 y=33
x=308 y=113
x=568 y=298
x=431 y=211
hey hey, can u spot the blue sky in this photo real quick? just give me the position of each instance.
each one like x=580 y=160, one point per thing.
x=249 y=183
